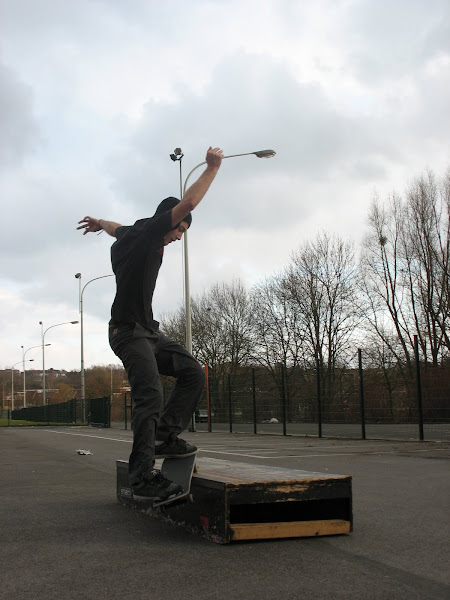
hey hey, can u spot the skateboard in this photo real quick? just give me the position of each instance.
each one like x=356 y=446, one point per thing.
x=178 y=470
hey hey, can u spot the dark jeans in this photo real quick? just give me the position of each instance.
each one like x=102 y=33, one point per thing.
x=145 y=355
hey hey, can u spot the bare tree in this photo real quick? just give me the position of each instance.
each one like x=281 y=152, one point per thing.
x=322 y=282
x=426 y=244
x=322 y=286
x=221 y=326
x=278 y=342
x=174 y=325
x=208 y=335
x=406 y=270
x=388 y=309
x=224 y=314
x=278 y=337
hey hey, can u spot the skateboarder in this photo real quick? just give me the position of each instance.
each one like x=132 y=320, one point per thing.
x=136 y=339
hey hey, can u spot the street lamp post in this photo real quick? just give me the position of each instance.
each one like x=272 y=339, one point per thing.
x=111 y=366
x=12 y=382
x=24 y=378
x=258 y=154
x=3 y=400
x=177 y=157
x=44 y=397
x=80 y=299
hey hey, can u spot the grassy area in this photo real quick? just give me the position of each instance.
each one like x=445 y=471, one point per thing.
x=12 y=423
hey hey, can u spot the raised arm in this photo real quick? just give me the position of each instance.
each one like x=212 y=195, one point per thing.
x=197 y=191
x=91 y=225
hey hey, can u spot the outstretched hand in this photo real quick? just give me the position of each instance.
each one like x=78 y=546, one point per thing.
x=214 y=157
x=90 y=225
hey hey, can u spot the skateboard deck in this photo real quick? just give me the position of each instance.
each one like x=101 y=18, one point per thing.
x=178 y=470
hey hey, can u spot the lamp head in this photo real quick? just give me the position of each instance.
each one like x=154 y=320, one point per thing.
x=74 y=322
x=77 y=275
x=177 y=154
x=265 y=153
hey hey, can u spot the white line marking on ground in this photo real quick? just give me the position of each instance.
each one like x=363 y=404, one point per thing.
x=247 y=455
x=348 y=453
x=100 y=437
x=205 y=450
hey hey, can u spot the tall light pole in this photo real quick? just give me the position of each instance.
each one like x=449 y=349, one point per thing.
x=258 y=154
x=111 y=366
x=3 y=400
x=44 y=397
x=12 y=382
x=24 y=379
x=177 y=156
x=80 y=299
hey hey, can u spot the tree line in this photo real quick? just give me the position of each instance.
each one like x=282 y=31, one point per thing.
x=332 y=298
x=100 y=381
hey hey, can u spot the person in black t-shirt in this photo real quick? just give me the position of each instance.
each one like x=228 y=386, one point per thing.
x=135 y=337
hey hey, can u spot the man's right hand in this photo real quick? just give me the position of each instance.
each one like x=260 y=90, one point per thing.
x=214 y=157
x=196 y=192
x=90 y=225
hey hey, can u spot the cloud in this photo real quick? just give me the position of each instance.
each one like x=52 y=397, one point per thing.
x=388 y=42
x=97 y=94
x=18 y=128
x=251 y=103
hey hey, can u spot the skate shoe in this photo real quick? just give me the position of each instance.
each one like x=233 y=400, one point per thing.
x=175 y=447
x=156 y=487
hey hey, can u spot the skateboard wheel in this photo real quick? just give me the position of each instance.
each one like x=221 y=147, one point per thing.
x=195 y=468
x=191 y=499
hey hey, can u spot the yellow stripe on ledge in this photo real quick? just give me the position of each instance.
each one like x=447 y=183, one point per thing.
x=262 y=531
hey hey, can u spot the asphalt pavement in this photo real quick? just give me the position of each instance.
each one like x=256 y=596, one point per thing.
x=64 y=535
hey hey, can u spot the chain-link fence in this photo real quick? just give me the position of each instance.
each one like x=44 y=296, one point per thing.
x=98 y=413
x=351 y=401
x=64 y=412
x=408 y=402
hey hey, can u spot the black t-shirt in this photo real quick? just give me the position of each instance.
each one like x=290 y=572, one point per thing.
x=136 y=258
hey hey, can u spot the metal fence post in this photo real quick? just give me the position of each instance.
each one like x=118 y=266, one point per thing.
x=361 y=396
x=283 y=397
x=319 y=399
x=230 y=407
x=418 y=388
x=208 y=402
x=254 y=400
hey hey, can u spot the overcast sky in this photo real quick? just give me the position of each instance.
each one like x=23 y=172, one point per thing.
x=95 y=95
